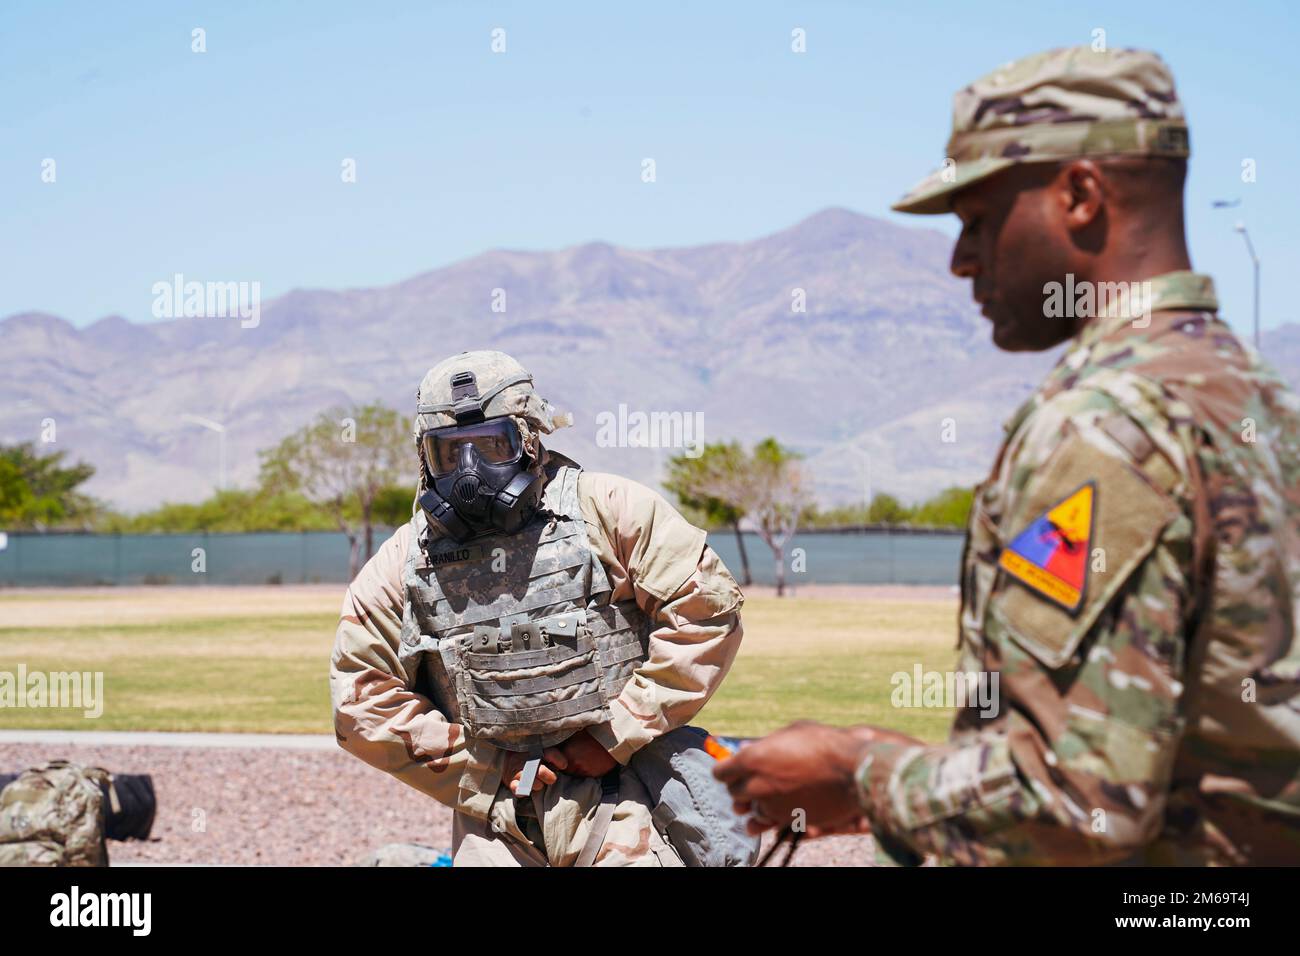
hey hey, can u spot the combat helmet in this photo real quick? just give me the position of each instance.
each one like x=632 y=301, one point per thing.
x=477 y=425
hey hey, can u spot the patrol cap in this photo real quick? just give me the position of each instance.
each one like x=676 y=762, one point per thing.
x=1052 y=106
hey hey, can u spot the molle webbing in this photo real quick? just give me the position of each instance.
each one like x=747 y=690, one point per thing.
x=526 y=685
x=494 y=716
x=515 y=635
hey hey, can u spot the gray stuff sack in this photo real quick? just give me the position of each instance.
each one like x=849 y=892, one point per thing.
x=692 y=809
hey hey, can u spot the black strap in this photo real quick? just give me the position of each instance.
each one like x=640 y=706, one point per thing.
x=789 y=836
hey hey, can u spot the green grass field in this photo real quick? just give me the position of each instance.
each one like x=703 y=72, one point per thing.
x=256 y=659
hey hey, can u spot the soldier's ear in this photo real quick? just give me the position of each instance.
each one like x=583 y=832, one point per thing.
x=1079 y=188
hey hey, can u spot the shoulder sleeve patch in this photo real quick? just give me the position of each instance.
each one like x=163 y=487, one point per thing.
x=1051 y=554
x=1084 y=525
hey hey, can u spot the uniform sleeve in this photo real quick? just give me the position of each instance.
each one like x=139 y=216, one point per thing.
x=1072 y=764
x=378 y=717
x=656 y=557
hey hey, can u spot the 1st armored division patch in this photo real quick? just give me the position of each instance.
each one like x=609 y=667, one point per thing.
x=1051 y=555
x=1064 y=566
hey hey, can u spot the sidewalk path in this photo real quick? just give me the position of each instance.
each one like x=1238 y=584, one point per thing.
x=131 y=738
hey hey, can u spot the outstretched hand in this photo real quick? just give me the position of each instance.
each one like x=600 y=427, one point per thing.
x=805 y=774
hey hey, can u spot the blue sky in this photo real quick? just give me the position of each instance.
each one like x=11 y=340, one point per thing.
x=226 y=165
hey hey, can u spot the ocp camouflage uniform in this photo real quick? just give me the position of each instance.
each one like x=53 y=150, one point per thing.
x=1160 y=721
x=55 y=815
x=650 y=555
x=1153 y=717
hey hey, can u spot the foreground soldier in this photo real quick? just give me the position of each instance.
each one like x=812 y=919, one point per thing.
x=1132 y=567
x=525 y=649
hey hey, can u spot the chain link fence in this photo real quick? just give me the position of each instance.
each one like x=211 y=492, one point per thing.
x=41 y=560
x=44 y=560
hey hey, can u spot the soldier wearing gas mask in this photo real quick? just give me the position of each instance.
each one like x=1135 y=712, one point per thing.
x=529 y=648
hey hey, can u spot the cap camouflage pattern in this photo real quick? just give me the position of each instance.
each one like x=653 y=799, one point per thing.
x=1061 y=104
x=507 y=386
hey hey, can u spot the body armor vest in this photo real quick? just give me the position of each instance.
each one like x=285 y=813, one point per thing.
x=514 y=636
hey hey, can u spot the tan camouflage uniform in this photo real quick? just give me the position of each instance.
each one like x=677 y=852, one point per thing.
x=651 y=554
x=1159 y=722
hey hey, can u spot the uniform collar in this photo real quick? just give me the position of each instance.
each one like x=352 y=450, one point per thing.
x=1164 y=293
x=1183 y=290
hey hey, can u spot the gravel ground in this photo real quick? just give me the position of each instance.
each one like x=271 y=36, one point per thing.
x=287 y=807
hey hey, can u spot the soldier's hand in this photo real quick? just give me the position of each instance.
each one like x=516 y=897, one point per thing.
x=805 y=771
x=586 y=757
x=512 y=773
x=872 y=734
x=856 y=827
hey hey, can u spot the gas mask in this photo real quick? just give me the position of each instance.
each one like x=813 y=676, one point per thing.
x=478 y=478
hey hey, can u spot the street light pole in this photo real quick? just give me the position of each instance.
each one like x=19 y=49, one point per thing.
x=1250 y=247
x=220 y=429
x=866 y=474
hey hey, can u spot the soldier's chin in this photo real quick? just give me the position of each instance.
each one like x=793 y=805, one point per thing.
x=1012 y=334
x=1007 y=334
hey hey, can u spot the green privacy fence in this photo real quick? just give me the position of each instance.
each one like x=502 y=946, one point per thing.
x=30 y=560
x=42 y=560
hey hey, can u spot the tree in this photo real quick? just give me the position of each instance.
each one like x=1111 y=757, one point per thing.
x=950 y=508
x=39 y=491
x=768 y=488
x=393 y=504
x=775 y=498
x=886 y=509
x=228 y=510
x=689 y=478
x=343 y=461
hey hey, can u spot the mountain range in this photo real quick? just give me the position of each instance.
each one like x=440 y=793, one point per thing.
x=887 y=359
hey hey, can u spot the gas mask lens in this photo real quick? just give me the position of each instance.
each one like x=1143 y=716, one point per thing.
x=496 y=441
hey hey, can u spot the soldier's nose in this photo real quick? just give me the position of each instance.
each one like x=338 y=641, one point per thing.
x=963 y=264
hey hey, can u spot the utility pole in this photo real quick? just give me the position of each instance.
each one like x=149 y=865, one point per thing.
x=220 y=429
x=865 y=458
x=1250 y=248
